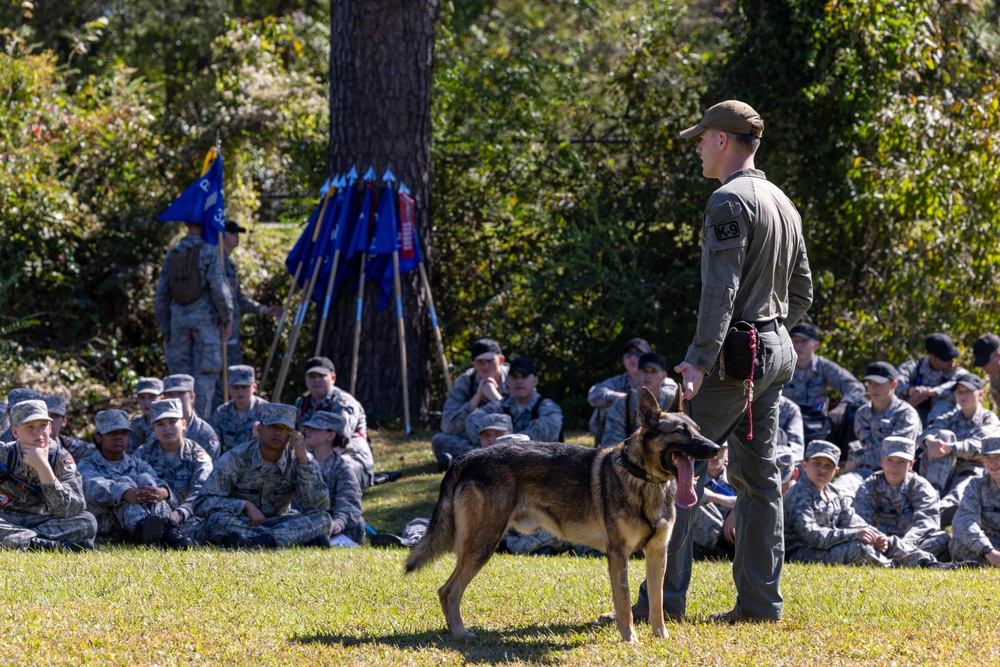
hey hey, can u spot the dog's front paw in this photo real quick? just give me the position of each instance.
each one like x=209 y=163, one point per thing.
x=463 y=633
x=660 y=631
x=630 y=637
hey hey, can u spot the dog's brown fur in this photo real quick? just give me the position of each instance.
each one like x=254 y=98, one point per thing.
x=583 y=495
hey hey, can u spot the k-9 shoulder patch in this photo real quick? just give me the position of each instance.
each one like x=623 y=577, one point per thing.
x=724 y=221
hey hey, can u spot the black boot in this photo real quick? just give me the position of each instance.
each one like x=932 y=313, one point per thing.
x=173 y=538
x=81 y=545
x=321 y=541
x=149 y=531
x=42 y=544
x=258 y=541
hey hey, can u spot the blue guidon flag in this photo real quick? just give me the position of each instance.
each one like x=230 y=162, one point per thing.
x=202 y=203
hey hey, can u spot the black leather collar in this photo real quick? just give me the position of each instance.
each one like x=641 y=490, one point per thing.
x=633 y=469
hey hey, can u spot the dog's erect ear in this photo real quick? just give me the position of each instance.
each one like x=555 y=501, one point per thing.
x=649 y=407
x=675 y=404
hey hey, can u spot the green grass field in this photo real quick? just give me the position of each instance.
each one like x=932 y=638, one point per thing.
x=342 y=606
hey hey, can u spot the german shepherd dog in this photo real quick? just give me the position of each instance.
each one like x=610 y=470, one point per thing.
x=618 y=500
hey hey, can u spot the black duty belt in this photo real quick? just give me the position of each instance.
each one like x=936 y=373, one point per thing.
x=772 y=325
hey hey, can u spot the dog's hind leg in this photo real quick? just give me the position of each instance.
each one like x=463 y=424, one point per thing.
x=618 y=569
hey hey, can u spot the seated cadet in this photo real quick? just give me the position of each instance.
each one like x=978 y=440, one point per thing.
x=620 y=422
x=180 y=462
x=124 y=492
x=927 y=382
x=986 y=355
x=233 y=421
x=884 y=415
x=533 y=415
x=953 y=444
x=324 y=395
x=147 y=390
x=481 y=384
x=493 y=427
x=326 y=433
x=247 y=500
x=716 y=503
x=15 y=396
x=41 y=492
x=57 y=413
x=604 y=394
x=976 y=530
x=181 y=387
x=820 y=524
x=903 y=506
x=791 y=437
x=814 y=376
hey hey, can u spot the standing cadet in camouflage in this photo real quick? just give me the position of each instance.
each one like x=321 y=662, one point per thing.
x=605 y=394
x=57 y=413
x=181 y=387
x=904 y=506
x=620 y=422
x=820 y=524
x=886 y=414
x=953 y=444
x=233 y=421
x=986 y=355
x=41 y=492
x=247 y=499
x=124 y=492
x=147 y=390
x=15 y=396
x=976 y=531
x=178 y=461
x=324 y=395
x=486 y=381
x=815 y=375
x=533 y=415
x=927 y=382
x=325 y=435
x=194 y=309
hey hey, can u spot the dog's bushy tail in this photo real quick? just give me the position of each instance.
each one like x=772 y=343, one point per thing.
x=440 y=536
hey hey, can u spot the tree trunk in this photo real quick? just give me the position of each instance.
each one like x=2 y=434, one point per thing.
x=381 y=59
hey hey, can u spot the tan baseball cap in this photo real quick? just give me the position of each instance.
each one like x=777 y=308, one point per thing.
x=728 y=116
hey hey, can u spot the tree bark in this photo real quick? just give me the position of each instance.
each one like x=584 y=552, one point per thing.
x=381 y=60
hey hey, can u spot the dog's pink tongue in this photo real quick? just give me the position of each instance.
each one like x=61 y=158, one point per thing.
x=686 y=497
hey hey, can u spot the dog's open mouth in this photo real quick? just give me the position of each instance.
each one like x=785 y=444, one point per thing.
x=686 y=496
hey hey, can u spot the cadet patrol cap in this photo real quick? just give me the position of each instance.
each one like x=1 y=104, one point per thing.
x=524 y=366
x=30 y=410
x=234 y=227
x=178 y=382
x=804 y=330
x=984 y=347
x=19 y=394
x=653 y=360
x=319 y=365
x=242 y=375
x=513 y=437
x=640 y=344
x=485 y=348
x=168 y=408
x=277 y=413
x=991 y=445
x=728 y=116
x=56 y=405
x=108 y=421
x=328 y=421
x=900 y=447
x=881 y=372
x=970 y=381
x=940 y=346
x=496 y=422
x=823 y=449
x=149 y=386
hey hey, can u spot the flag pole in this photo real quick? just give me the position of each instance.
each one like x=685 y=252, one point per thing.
x=402 y=339
x=222 y=262
x=281 y=324
x=326 y=302
x=434 y=323
x=293 y=338
x=357 y=323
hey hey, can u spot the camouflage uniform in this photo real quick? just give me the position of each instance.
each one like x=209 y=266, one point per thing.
x=358 y=452
x=105 y=482
x=709 y=517
x=546 y=428
x=195 y=346
x=791 y=436
x=820 y=527
x=242 y=305
x=899 y=419
x=952 y=473
x=808 y=387
x=918 y=373
x=232 y=427
x=454 y=437
x=345 y=496
x=78 y=448
x=908 y=515
x=58 y=513
x=142 y=432
x=605 y=394
x=977 y=521
x=4 y=419
x=242 y=475
x=615 y=423
x=202 y=433
x=185 y=472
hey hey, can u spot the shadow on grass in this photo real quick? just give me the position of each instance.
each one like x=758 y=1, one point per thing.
x=532 y=643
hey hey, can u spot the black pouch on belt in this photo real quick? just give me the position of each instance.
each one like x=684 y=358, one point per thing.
x=742 y=350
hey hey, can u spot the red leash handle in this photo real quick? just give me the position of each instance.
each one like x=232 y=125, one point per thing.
x=748 y=383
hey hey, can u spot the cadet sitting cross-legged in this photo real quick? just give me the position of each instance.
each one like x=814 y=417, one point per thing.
x=182 y=463
x=326 y=434
x=124 y=492
x=41 y=493
x=977 y=522
x=247 y=499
